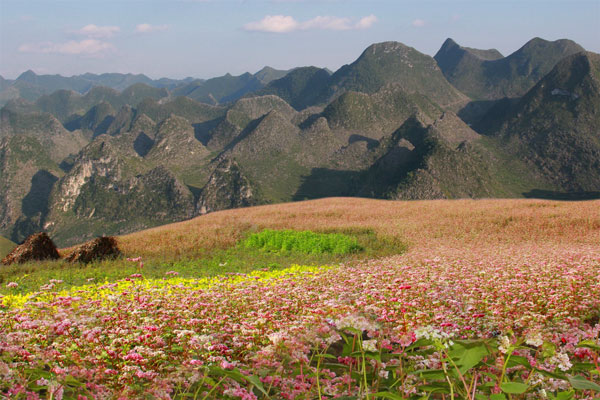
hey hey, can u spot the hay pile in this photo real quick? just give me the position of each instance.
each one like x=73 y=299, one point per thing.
x=36 y=247
x=98 y=249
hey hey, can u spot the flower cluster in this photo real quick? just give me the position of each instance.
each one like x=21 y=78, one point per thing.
x=160 y=338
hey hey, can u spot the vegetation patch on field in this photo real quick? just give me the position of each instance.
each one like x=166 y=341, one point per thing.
x=5 y=246
x=306 y=242
x=206 y=261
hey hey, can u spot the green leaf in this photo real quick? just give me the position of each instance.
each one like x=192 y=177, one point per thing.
x=497 y=396
x=435 y=387
x=468 y=355
x=548 y=349
x=554 y=375
x=514 y=387
x=325 y=356
x=420 y=343
x=590 y=344
x=253 y=379
x=565 y=395
x=431 y=374
x=518 y=360
x=580 y=383
x=388 y=395
x=580 y=366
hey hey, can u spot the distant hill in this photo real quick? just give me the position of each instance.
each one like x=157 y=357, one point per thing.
x=31 y=86
x=268 y=74
x=380 y=65
x=485 y=75
x=388 y=125
x=555 y=126
x=301 y=88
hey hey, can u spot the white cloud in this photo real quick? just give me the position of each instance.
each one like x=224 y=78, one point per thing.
x=366 y=22
x=274 y=24
x=147 y=28
x=326 y=22
x=72 y=47
x=286 y=23
x=95 y=31
x=418 y=23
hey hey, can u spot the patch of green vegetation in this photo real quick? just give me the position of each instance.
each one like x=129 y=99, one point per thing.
x=307 y=242
x=236 y=259
x=5 y=246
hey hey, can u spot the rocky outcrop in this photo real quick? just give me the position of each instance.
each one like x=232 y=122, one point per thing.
x=227 y=188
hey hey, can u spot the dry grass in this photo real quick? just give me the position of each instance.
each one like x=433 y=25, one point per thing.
x=423 y=225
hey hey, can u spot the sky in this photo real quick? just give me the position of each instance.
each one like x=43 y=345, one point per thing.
x=207 y=38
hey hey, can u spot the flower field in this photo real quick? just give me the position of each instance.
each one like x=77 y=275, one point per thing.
x=487 y=320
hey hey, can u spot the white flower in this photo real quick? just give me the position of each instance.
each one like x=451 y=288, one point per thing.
x=534 y=339
x=370 y=345
x=430 y=333
x=504 y=344
x=357 y=322
x=276 y=337
x=383 y=373
x=562 y=361
x=335 y=337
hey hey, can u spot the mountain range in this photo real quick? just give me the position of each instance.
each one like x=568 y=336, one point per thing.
x=125 y=152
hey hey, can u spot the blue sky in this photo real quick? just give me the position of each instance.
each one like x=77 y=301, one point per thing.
x=206 y=38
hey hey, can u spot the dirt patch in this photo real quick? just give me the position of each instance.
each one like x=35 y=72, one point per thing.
x=98 y=249
x=36 y=247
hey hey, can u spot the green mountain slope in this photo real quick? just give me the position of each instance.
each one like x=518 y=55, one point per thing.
x=111 y=189
x=483 y=76
x=301 y=88
x=385 y=63
x=221 y=89
x=555 y=126
x=268 y=74
x=25 y=184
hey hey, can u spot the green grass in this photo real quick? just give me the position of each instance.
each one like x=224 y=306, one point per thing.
x=306 y=242
x=236 y=259
x=5 y=246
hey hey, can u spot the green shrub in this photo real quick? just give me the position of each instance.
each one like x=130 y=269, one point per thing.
x=306 y=242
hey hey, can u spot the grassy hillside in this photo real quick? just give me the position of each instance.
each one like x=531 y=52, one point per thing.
x=5 y=246
x=422 y=224
x=208 y=245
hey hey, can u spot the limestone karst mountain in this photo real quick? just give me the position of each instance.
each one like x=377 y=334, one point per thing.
x=389 y=125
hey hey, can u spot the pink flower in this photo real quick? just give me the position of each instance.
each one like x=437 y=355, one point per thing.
x=12 y=284
x=227 y=365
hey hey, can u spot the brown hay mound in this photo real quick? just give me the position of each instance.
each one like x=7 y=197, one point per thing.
x=36 y=247
x=98 y=249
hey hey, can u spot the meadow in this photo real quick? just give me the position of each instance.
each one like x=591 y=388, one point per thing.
x=465 y=299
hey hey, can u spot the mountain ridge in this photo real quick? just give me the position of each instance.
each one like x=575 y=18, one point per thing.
x=387 y=125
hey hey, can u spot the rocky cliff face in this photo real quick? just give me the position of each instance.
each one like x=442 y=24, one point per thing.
x=227 y=188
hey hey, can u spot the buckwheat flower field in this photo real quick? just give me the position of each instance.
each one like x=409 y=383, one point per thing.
x=488 y=302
